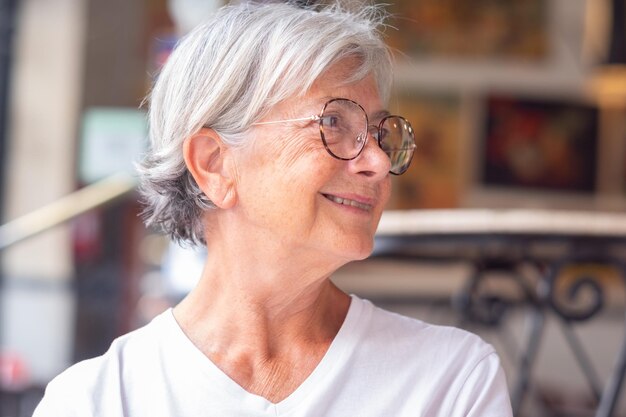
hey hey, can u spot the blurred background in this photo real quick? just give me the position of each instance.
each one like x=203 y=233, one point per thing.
x=517 y=104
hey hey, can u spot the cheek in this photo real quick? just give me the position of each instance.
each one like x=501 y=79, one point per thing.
x=297 y=151
x=385 y=190
x=285 y=168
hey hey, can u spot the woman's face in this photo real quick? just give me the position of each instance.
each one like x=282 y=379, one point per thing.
x=291 y=191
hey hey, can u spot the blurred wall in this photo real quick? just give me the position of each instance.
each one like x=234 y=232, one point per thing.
x=45 y=99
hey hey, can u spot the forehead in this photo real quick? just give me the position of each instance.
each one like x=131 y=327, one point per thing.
x=334 y=83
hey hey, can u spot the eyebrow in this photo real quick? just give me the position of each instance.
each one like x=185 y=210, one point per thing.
x=380 y=114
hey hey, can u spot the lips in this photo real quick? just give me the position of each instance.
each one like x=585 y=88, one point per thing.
x=348 y=202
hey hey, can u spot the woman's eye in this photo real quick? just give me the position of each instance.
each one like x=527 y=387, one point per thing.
x=331 y=121
x=384 y=134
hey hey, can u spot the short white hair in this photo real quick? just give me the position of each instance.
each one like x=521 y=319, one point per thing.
x=228 y=73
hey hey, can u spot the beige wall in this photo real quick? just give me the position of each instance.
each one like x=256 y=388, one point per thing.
x=45 y=99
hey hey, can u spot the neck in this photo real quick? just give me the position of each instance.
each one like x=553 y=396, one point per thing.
x=262 y=301
x=264 y=311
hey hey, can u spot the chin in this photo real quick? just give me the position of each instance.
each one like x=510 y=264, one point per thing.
x=359 y=252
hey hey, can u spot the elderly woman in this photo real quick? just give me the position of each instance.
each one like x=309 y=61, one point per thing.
x=272 y=146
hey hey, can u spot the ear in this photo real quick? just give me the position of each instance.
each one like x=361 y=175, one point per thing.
x=209 y=161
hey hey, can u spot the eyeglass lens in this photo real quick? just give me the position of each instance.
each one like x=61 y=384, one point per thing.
x=343 y=126
x=397 y=140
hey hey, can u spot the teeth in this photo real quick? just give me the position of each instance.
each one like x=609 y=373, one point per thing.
x=347 y=202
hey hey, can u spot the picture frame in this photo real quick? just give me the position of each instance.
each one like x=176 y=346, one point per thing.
x=539 y=144
x=471 y=29
x=434 y=178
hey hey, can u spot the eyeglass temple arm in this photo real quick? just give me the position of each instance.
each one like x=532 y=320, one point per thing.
x=271 y=122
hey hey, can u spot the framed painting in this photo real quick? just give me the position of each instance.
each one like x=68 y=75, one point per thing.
x=540 y=144
x=433 y=180
x=473 y=29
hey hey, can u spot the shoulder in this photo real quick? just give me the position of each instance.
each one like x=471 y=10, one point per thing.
x=417 y=336
x=402 y=345
x=93 y=382
x=446 y=368
x=131 y=348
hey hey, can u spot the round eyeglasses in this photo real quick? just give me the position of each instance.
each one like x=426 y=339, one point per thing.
x=344 y=128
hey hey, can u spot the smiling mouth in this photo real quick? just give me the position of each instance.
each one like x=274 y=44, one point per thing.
x=348 y=202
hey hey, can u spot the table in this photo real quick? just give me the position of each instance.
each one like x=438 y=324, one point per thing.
x=501 y=240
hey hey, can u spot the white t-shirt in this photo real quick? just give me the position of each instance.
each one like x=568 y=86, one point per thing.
x=380 y=364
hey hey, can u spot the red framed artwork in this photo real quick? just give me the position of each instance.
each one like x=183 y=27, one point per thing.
x=540 y=144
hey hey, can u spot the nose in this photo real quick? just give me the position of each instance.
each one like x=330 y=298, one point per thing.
x=373 y=162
